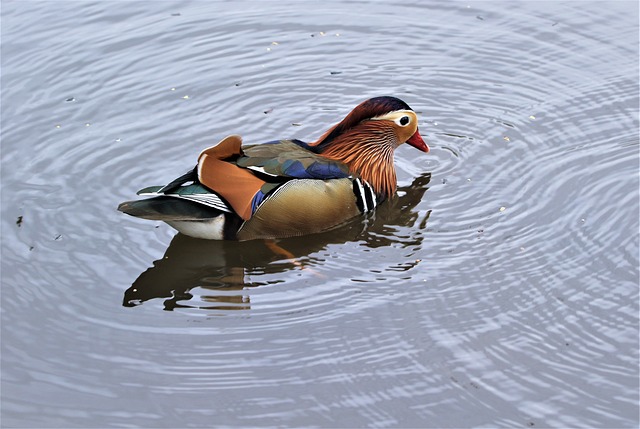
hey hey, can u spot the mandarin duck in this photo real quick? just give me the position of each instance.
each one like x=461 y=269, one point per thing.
x=287 y=188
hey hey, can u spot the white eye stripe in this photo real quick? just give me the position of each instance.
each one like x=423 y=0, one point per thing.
x=401 y=118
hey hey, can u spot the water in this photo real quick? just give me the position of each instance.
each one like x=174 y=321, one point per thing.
x=501 y=289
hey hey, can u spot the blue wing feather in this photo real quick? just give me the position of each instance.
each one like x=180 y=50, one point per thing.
x=290 y=159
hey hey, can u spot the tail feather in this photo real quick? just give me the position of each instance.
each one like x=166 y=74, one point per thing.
x=190 y=176
x=168 y=209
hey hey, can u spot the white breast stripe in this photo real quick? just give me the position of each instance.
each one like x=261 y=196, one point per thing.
x=365 y=206
x=371 y=195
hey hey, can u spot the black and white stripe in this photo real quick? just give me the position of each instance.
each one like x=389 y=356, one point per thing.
x=210 y=199
x=365 y=197
x=187 y=187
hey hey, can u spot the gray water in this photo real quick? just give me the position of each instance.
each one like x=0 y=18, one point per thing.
x=499 y=290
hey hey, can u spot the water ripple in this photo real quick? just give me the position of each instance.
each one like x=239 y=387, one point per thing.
x=499 y=289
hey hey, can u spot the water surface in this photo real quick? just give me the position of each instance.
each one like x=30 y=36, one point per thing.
x=500 y=289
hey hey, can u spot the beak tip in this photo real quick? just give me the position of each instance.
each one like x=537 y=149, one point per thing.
x=417 y=142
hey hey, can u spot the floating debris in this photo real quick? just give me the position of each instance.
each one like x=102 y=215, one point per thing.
x=58 y=237
x=118 y=139
x=322 y=33
x=533 y=118
x=275 y=43
x=176 y=14
x=70 y=99
x=507 y=139
x=173 y=89
x=502 y=209
x=505 y=123
x=238 y=83
x=335 y=72
x=19 y=221
x=480 y=18
x=296 y=124
x=58 y=126
x=266 y=112
x=186 y=97
x=88 y=124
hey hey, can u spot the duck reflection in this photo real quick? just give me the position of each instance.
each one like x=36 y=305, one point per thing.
x=220 y=268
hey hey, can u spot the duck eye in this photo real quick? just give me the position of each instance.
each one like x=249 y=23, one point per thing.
x=404 y=120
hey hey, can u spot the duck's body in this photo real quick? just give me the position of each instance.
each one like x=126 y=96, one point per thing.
x=287 y=187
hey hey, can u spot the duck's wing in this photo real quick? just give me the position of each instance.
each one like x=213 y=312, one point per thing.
x=291 y=159
x=182 y=199
x=246 y=176
x=187 y=187
x=169 y=209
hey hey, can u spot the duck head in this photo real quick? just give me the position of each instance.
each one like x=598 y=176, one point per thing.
x=367 y=137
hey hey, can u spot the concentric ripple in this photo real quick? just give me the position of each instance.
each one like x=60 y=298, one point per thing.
x=498 y=289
